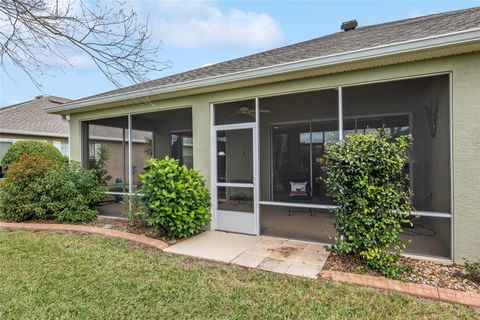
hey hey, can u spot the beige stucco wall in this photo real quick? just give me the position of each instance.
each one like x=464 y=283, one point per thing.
x=465 y=119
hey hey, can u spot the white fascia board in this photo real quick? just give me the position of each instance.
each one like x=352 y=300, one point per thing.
x=455 y=38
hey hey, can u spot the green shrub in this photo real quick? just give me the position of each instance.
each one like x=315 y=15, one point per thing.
x=20 y=148
x=69 y=194
x=365 y=176
x=17 y=199
x=37 y=187
x=176 y=200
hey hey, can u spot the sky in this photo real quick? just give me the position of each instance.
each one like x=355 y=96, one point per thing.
x=198 y=33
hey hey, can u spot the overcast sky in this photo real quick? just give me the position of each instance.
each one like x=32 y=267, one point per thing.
x=197 y=33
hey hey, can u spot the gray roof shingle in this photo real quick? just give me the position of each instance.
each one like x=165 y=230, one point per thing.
x=31 y=116
x=340 y=42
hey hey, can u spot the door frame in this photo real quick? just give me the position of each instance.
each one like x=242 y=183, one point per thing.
x=215 y=184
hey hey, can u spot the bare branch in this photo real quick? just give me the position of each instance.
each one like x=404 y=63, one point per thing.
x=37 y=36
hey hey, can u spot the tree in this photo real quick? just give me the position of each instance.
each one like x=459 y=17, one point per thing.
x=99 y=161
x=38 y=35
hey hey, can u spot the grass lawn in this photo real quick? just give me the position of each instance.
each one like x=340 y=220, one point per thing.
x=62 y=276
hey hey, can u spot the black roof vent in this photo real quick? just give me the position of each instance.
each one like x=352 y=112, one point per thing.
x=349 y=25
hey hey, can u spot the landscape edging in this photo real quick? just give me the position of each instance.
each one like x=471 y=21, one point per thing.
x=415 y=289
x=155 y=243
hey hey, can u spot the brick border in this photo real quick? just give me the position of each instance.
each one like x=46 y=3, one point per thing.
x=155 y=243
x=414 y=289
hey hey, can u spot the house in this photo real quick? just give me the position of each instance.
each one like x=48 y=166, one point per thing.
x=29 y=121
x=256 y=127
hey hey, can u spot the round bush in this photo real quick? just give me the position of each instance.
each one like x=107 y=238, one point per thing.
x=365 y=176
x=176 y=201
x=37 y=187
x=20 y=148
x=17 y=198
x=69 y=194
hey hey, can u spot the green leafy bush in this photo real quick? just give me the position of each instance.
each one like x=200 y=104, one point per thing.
x=20 y=148
x=69 y=194
x=365 y=176
x=37 y=187
x=17 y=200
x=176 y=201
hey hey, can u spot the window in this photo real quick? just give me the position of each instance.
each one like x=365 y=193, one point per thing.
x=64 y=148
x=4 y=146
x=94 y=150
x=298 y=151
x=61 y=146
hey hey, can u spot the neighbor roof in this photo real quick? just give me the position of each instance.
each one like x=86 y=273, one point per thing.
x=336 y=43
x=29 y=117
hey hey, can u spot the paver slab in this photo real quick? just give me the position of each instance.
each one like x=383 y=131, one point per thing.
x=214 y=245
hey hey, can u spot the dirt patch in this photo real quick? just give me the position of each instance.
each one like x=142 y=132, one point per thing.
x=449 y=276
x=284 y=251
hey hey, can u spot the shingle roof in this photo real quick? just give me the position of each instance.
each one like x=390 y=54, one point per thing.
x=340 y=42
x=31 y=116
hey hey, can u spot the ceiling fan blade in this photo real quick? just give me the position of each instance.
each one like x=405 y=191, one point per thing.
x=264 y=111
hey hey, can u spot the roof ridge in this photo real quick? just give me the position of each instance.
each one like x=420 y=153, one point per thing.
x=15 y=105
x=420 y=18
x=50 y=98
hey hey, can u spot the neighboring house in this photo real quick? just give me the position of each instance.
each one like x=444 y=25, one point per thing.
x=256 y=126
x=29 y=121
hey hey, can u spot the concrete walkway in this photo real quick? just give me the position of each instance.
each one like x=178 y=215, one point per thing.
x=272 y=254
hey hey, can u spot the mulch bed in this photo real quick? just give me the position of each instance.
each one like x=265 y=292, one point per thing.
x=449 y=276
x=131 y=226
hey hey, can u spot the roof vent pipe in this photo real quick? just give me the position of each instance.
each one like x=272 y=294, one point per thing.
x=349 y=25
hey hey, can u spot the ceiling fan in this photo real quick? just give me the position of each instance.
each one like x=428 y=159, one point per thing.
x=247 y=110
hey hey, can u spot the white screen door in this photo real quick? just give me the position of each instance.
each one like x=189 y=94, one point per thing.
x=235 y=187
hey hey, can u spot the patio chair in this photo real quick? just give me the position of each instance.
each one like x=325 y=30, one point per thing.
x=300 y=192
